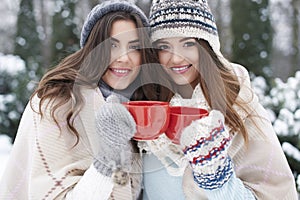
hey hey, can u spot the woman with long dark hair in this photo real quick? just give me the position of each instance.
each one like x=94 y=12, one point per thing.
x=233 y=153
x=71 y=143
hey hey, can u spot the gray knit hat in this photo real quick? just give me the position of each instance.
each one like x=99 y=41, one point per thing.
x=107 y=7
x=189 y=18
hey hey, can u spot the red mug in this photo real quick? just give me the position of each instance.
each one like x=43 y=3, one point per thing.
x=151 y=118
x=181 y=117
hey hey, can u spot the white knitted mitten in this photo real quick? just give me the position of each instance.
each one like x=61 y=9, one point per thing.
x=115 y=128
x=205 y=144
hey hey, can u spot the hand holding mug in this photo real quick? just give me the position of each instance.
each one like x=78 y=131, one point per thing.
x=205 y=143
x=114 y=127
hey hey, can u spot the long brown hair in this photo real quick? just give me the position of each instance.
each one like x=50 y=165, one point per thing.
x=85 y=68
x=221 y=87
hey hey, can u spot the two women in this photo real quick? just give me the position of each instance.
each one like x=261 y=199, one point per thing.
x=71 y=144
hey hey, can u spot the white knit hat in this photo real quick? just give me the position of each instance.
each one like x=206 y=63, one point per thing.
x=189 y=18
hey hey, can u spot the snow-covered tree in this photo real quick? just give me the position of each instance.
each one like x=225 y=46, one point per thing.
x=283 y=104
x=252 y=35
x=65 y=34
x=12 y=97
x=27 y=42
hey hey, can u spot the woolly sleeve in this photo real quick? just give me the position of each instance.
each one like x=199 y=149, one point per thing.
x=93 y=185
x=261 y=163
x=231 y=190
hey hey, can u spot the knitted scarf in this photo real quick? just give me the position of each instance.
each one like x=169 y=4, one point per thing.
x=123 y=95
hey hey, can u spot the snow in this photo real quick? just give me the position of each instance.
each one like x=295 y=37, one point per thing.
x=5 y=148
x=11 y=64
x=291 y=150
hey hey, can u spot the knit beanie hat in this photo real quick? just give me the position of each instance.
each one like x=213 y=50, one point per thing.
x=189 y=18
x=107 y=7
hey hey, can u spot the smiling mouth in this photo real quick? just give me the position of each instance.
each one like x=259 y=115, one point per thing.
x=181 y=69
x=120 y=72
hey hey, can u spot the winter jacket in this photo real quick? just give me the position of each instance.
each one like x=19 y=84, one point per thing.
x=45 y=163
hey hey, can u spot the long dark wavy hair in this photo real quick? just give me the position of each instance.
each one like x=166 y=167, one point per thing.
x=221 y=88
x=85 y=68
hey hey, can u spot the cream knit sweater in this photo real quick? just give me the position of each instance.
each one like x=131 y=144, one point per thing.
x=45 y=164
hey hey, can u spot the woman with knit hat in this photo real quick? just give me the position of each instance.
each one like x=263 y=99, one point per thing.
x=71 y=144
x=233 y=153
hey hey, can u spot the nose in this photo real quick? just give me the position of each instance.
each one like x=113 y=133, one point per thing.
x=177 y=58
x=123 y=57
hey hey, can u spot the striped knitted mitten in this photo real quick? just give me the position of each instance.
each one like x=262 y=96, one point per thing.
x=205 y=144
x=115 y=128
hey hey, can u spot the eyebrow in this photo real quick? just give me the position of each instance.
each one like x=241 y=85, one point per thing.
x=118 y=41
x=181 y=40
x=184 y=39
x=161 y=41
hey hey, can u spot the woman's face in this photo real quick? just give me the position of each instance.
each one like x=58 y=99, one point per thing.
x=125 y=58
x=180 y=58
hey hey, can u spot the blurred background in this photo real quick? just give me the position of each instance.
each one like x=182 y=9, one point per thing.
x=262 y=35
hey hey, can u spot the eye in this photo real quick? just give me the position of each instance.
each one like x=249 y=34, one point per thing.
x=135 y=47
x=189 y=44
x=113 y=45
x=162 y=47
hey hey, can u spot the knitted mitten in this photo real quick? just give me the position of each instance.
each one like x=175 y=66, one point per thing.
x=115 y=127
x=205 y=144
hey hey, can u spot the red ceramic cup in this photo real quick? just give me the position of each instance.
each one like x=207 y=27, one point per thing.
x=151 y=117
x=181 y=117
